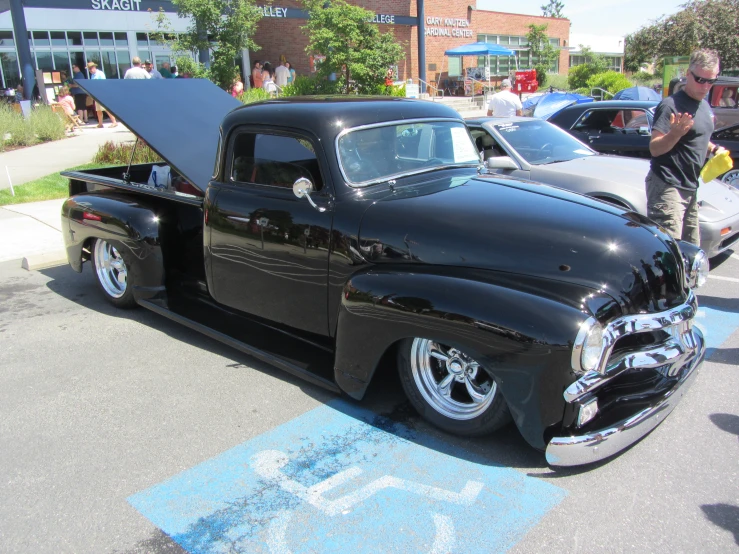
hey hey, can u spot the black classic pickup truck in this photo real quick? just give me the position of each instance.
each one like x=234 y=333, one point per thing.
x=323 y=234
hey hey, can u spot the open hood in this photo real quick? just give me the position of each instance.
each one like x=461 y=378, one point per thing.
x=177 y=118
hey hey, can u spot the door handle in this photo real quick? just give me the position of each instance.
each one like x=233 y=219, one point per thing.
x=238 y=219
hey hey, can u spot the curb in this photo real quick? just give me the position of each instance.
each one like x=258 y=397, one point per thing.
x=44 y=261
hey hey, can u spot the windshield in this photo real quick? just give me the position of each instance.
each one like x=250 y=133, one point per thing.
x=372 y=154
x=540 y=142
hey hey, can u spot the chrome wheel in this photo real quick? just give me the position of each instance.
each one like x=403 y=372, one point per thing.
x=451 y=383
x=731 y=178
x=110 y=268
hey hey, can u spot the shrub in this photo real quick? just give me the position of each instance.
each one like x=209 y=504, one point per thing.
x=559 y=82
x=112 y=153
x=254 y=95
x=612 y=81
x=46 y=124
x=16 y=131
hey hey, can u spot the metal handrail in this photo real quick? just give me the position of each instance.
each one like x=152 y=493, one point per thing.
x=485 y=84
x=602 y=92
x=436 y=89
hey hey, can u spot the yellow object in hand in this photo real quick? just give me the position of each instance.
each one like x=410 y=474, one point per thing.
x=718 y=165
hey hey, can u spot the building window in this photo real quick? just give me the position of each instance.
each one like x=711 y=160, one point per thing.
x=11 y=75
x=523 y=59
x=455 y=66
x=6 y=38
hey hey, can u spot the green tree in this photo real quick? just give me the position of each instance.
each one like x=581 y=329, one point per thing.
x=542 y=52
x=700 y=24
x=579 y=74
x=354 y=47
x=612 y=81
x=223 y=26
x=553 y=9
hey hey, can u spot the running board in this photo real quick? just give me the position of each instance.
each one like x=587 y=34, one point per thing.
x=242 y=346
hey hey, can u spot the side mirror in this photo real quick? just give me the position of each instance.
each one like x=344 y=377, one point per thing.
x=500 y=162
x=645 y=131
x=302 y=188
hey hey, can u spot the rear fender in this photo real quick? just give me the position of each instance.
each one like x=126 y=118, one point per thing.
x=129 y=224
x=524 y=337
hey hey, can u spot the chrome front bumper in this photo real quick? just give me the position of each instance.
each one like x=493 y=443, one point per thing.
x=598 y=445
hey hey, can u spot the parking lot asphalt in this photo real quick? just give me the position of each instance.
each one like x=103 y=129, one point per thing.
x=121 y=431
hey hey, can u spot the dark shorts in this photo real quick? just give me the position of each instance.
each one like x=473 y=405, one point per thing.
x=80 y=101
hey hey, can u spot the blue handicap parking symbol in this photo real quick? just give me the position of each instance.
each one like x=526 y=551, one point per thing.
x=343 y=479
x=717 y=326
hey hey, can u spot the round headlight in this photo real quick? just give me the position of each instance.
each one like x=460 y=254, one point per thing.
x=699 y=270
x=592 y=348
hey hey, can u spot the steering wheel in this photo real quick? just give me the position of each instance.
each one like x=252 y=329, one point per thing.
x=546 y=150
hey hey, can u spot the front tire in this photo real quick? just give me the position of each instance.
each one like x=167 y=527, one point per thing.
x=113 y=275
x=450 y=389
x=731 y=178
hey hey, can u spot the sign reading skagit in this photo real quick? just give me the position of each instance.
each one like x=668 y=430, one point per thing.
x=118 y=5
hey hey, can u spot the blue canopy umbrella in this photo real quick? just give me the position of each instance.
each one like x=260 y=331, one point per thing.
x=637 y=93
x=552 y=102
x=480 y=49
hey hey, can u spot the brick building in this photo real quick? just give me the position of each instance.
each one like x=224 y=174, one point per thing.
x=447 y=24
x=111 y=32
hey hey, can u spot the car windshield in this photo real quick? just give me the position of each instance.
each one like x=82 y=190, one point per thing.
x=539 y=142
x=373 y=154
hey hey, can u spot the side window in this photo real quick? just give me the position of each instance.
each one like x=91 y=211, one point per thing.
x=273 y=160
x=635 y=119
x=598 y=121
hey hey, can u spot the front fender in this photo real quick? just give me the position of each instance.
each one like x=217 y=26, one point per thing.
x=132 y=226
x=520 y=329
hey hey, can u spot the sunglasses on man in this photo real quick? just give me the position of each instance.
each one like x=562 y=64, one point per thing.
x=703 y=80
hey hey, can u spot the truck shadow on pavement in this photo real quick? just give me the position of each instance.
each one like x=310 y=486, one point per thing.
x=384 y=397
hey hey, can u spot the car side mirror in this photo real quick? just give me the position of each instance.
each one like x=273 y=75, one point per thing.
x=500 y=162
x=302 y=188
x=645 y=131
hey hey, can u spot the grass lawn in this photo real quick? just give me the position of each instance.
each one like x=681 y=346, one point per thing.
x=46 y=188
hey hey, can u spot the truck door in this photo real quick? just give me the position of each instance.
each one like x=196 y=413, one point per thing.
x=269 y=249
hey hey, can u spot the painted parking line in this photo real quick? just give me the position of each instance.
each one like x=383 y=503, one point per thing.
x=342 y=479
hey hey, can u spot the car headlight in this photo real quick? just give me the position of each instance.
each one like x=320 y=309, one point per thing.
x=589 y=345
x=698 y=271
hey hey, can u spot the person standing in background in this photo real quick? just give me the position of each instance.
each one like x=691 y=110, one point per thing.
x=80 y=96
x=175 y=75
x=505 y=103
x=281 y=75
x=152 y=70
x=680 y=142
x=291 y=78
x=256 y=75
x=96 y=74
x=268 y=75
x=165 y=72
x=136 y=71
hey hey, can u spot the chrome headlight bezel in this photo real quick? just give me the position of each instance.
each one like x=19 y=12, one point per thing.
x=698 y=273
x=589 y=347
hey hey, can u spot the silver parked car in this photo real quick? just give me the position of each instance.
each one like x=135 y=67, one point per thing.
x=537 y=150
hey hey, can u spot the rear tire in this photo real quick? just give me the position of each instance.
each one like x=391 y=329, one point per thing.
x=450 y=389
x=113 y=275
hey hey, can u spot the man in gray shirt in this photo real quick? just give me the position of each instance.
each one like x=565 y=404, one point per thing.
x=153 y=72
x=680 y=142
